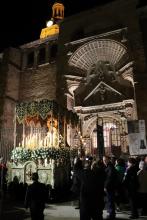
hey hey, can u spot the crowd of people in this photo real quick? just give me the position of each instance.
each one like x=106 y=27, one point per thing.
x=97 y=184
x=110 y=183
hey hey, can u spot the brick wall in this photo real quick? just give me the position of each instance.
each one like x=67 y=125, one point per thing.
x=39 y=83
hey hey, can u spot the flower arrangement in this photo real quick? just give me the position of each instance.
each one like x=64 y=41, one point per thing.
x=22 y=154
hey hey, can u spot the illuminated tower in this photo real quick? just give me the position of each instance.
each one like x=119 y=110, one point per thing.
x=58 y=12
x=52 y=26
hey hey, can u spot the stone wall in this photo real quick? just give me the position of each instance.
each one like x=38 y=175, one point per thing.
x=10 y=74
x=39 y=83
x=12 y=87
x=141 y=88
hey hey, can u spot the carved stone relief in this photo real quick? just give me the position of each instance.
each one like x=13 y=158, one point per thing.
x=129 y=111
x=102 y=69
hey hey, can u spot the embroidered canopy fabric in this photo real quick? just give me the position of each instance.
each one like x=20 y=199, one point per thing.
x=43 y=109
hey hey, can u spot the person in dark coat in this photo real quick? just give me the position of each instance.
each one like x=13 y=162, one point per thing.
x=132 y=184
x=120 y=191
x=142 y=190
x=36 y=197
x=13 y=188
x=92 y=192
x=76 y=180
x=110 y=186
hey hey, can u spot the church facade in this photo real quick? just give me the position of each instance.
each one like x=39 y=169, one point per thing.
x=92 y=63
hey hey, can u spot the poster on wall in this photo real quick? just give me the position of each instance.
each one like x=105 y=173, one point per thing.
x=137 y=137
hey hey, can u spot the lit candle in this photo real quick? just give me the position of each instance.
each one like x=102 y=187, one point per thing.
x=23 y=142
x=26 y=142
x=41 y=143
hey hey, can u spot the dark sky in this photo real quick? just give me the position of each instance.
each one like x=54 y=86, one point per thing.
x=21 y=20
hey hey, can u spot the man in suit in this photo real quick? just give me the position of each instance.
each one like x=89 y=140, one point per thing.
x=92 y=192
x=36 y=197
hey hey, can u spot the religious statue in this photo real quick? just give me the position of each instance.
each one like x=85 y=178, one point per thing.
x=51 y=139
x=101 y=69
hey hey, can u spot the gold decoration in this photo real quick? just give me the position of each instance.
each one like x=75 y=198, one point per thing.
x=57 y=15
x=49 y=31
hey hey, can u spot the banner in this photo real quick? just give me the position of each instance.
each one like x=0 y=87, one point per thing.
x=137 y=137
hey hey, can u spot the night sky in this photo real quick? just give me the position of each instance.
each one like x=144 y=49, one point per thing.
x=22 y=20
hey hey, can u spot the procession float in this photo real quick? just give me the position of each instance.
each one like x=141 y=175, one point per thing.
x=43 y=143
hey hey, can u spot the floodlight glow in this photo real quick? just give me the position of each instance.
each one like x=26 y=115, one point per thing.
x=49 y=23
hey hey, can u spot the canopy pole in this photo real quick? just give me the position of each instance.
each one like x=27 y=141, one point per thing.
x=15 y=134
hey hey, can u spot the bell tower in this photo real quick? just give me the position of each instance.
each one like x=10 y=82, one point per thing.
x=58 y=11
x=52 y=26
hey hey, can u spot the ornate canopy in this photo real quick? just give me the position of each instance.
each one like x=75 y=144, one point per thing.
x=43 y=109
